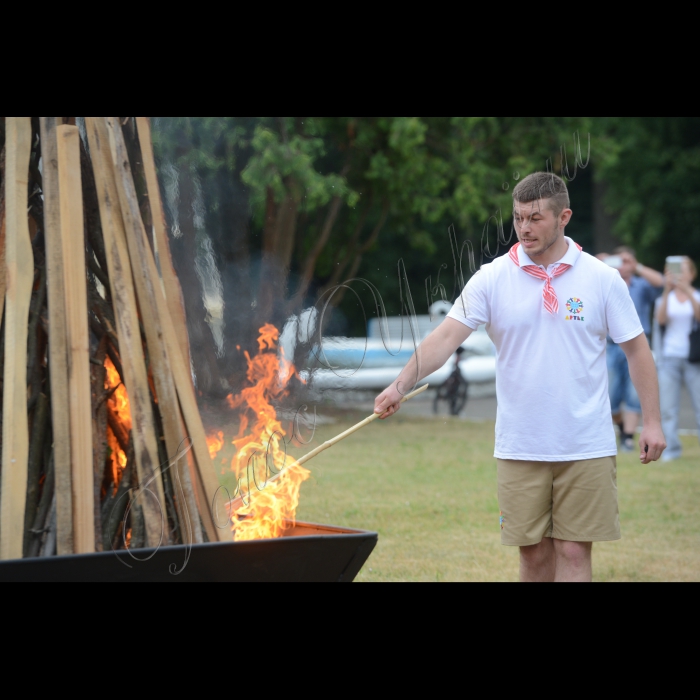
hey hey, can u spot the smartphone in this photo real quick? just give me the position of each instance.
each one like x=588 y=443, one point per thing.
x=675 y=264
x=614 y=261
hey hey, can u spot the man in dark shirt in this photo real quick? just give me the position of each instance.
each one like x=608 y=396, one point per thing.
x=645 y=285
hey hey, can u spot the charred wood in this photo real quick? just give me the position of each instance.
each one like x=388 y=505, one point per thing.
x=40 y=433
x=118 y=429
x=99 y=433
x=116 y=503
x=38 y=532
x=48 y=549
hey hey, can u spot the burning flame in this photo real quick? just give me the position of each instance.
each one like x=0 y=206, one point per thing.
x=269 y=508
x=119 y=405
x=215 y=443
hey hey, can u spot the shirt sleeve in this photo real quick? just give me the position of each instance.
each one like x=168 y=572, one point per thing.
x=622 y=317
x=472 y=308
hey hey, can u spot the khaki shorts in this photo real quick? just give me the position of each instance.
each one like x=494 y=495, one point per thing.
x=568 y=501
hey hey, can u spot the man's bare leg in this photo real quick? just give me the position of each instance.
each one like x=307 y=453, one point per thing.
x=574 y=562
x=538 y=563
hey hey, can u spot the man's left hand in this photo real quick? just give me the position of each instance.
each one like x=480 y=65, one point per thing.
x=652 y=443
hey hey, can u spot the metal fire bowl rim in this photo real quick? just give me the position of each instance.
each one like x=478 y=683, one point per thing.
x=326 y=531
x=308 y=554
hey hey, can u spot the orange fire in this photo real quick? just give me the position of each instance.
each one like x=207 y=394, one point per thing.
x=119 y=404
x=269 y=508
x=215 y=443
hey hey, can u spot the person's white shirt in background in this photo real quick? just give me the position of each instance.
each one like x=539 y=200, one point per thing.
x=681 y=321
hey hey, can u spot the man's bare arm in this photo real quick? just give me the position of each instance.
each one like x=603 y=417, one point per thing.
x=643 y=371
x=432 y=354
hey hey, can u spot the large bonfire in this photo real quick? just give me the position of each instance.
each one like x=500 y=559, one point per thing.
x=263 y=508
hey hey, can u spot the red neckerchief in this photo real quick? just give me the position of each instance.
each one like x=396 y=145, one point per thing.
x=551 y=302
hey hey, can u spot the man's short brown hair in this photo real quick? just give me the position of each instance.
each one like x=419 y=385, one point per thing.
x=543 y=186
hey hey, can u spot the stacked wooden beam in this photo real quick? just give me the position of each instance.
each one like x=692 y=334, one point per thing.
x=86 y=283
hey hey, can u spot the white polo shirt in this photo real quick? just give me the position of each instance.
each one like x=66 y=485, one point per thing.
x=551 y=372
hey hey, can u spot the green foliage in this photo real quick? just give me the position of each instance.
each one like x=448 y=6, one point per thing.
x=289 y=169
x=401 y=181
x=652 y=168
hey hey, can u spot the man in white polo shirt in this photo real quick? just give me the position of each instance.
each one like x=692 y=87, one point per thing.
x=549 y=308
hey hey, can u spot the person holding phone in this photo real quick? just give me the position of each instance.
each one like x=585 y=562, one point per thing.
x=678 y=313
x=645 y=286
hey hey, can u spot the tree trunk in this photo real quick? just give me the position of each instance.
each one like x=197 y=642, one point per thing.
x=278 y=245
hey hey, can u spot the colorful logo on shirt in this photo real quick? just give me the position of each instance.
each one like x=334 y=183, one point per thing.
x=575 y=308
x=503 y=522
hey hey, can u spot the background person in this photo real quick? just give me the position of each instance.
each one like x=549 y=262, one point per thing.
x=645 y=286
x=548 y=308
x=677 y=312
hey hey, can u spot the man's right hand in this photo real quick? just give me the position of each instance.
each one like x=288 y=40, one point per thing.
x=434 y=352
x=388 y=403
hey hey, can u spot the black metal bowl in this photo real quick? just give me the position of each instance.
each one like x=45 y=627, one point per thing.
x=306 y=554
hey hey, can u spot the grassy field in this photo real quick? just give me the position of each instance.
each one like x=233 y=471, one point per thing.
x=428 y=487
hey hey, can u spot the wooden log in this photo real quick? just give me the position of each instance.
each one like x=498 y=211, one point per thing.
x=47 y=499
x=148 y=291
x=2 y=245
x=79 y=390
x=41 y=430
x=126 y=313
x=48 y=548
x=58 y=343
x=34 y=356
x=174 y=301
x=99 y=432
x=20 y=276
x=115 y=505
x=171 y=283
x=164 y=348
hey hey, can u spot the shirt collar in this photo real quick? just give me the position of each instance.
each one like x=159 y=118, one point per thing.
x=571 y=257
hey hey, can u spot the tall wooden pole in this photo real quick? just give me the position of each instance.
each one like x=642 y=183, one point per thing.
x=58 y=343
x=126 y=314
x=173 y=425
x=19 y=260
x=79 y=390
x=171 y=283
x=163 y=342
x=3 y=277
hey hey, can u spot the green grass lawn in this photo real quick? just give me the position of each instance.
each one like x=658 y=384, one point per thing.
x=428 y=487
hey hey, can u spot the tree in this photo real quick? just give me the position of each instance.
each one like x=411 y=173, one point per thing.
x=284 y=209
x=651 y=166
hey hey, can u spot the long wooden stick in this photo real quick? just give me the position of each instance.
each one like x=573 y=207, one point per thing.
x=20 y=278
x=58 y=344
x=3 y=278
x=173 y=425
x=353 y=430
x=238 y=502
x=126 y=313
x=79 y=389
x=166 y=346
x=171 y=283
